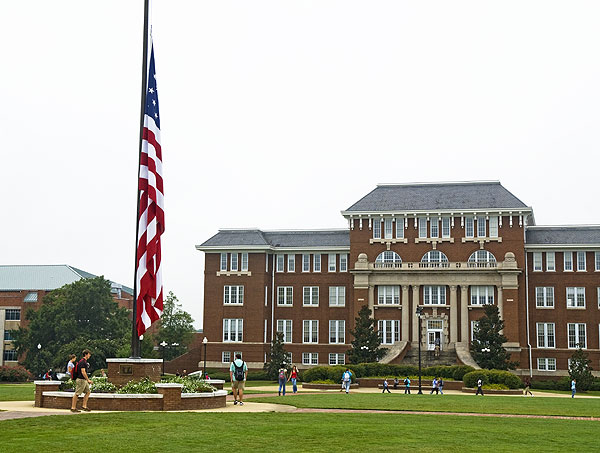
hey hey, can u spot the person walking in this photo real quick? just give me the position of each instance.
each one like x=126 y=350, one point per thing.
x=396 y=383
x=437 y=343
x=347 y=380
x=386 y=386
x=407 y=386
x=527 y=387
x=282 y=379
x=434 y=387
x=440 y=385
x=573 y=388
x=82 y=382
x=71 y=365
x=294 y=378
x=238 y=372
x=479 y=387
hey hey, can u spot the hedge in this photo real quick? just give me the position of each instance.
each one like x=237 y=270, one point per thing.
x=364 y=370
x=14 y=374
x=492 y=377
x=564 y=383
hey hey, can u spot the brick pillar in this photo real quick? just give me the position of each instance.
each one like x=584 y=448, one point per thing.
x=44 y=386
x=171 y=393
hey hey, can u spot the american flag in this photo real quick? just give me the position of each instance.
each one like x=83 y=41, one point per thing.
x=151 y=216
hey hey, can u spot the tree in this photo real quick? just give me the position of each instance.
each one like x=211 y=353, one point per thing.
x=176 y=326
x=278 y=357
x=580 y=369
x=366 y=343
x=486 y=347
x=80 y=315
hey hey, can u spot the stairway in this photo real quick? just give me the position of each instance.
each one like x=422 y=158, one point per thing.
x=447 y=357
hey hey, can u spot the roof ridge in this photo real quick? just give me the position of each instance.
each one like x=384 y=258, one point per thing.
x=438 y=183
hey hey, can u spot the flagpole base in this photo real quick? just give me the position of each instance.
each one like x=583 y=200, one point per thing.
x=121 y=371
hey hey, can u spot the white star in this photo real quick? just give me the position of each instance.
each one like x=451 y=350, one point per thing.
x=153 y=102
x=156 y=115
x=151 y=90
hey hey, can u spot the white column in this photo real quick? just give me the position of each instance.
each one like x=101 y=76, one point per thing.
x=453 y=315
x=372 y=299
x=500 y=304
x=464 y=313
x=415 y=323
x=406 y=313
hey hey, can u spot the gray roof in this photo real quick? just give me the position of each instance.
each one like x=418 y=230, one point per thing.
x=564 y=235
x=255 y=238
x=437 y=196
x=41 y=277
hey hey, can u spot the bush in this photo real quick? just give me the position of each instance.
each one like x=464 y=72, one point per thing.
x=190 y=384
x=364 y=370
x=324 y=373
x=14 y=374
x=101 y=385
x=492 y=377
x=142 y=386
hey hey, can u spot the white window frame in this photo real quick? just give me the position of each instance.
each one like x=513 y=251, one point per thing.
x=537 y=262
x=337 y=358
x=291 y=262
x=337 y=331
x=310 y=358
x=223 y=266
x=481 y=226
x=388 y=228
x=284 y=326
x=399 y=228
x=234 y=262
x=434 y=227
x=568 y=261
x=441 y=257
x=225 y=356
x=422 y=227
x=312 y=294
x=546 y=364
x=285 y=296
x=12 y=314
x=434 y=295
x=280 y=258
x=575 y=297
x=474 y=325
x=306 y=262
x=597 y=260
x=316 y=262
x=343 y=262
x=546 y=332
x=469 y=227
x=388 y=295
x=598 y=294
x=10 y=355
x=331 y=262
x=376 y=228
x=482 y=295
x=337 y=296
x=581 y=262
x=233 y=328
x=244 y=261
x=445 y=227
x=233 y=295
x=544 y=297
x=493 y=226
x=550 y=262
x=388 y=330
x=577 y=336
x=310 y=331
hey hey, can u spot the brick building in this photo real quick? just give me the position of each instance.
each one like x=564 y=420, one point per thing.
x=450 y=248
x=24 y=286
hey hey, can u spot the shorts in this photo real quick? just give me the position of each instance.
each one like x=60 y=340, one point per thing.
x=81 y=386
x=237 y=385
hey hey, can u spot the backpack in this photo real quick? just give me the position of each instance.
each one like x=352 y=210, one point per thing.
x=282 y=374
x=346 y=376
x=74 y=371
x=238 y=374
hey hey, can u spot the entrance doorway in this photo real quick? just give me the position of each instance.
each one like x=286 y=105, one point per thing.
x=435 y=334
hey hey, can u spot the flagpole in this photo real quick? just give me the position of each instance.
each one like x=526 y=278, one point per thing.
x=135 y=340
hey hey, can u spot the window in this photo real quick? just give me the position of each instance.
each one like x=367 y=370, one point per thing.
x=285 y=295
x=544 y=297
x=482 y=256
x=387 y=259
x=244 y=262
x=337 y=359
x=13 y=314
x=445 y=227
x=434 y=295
x=474 y=327
x=537 y=261
x=310 y=358
x=306 y=262
x=284 y=326
x=435 y=324
x=33 y=297
x=10 y=355
x=233 y=330
x=337 y=296
x=343 y=262
x=310 y=331
x=291 y=260
x=388 y=228
x=568 y=258
x=8 y=335
x=494 y=226
x=545 y=335
x=482 y=295
x=400 y=228
x=597 y=259
x=377 y=229
x=422 y=227
x=317 y=262
x=481 y=226
x=280 y=262
x=550 y=262
x=331 y=262
x=388 y=295
x=389 y=330
x=310 y=296
x=434 y=256
x=576 y=335
x=469 y=227
x=337 y=331
x=581 y=267
x=223 y=261
x=234 y=261
x=546 y=364
x=575 y=297
x=598 y=291
x=434 y=228
x=233 y=295
x=226 y=356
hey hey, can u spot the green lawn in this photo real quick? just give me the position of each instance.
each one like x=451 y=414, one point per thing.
x=585 y=407
x=17 y=392
x=270 y=432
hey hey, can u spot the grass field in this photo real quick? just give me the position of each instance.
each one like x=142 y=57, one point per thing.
x=266 y=432
x=17 y=392
x=584 y=407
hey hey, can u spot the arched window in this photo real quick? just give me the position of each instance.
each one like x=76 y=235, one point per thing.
x=482 y=256
x=388 y=258
x=434 y=256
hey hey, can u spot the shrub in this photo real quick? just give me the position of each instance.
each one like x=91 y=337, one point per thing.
x=190 y=384
x=14 y=374
x=323 y=373
x=492 y=377
x=101 y=385
x=142 y=386
x=495 y=387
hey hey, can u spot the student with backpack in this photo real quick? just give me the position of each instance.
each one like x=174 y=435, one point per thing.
x=347 y=380
x=386 y=386
x=282 y=374
x=407 y=386
x=71 y=365
x=82 y=381
x=238 y=372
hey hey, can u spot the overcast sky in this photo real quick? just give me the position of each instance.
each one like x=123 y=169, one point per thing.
x=280 y=114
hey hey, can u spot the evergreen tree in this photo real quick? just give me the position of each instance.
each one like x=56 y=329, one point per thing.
x=175 y=326
x=278 y=357
x=486 y=347
x=366 y=343
x=580 y=369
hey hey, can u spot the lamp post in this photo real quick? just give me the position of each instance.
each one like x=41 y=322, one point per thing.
x=419 y=313
x=204 y=342
x=365 y=351
x=485 y=351
x=39 y=346
x=164 y=344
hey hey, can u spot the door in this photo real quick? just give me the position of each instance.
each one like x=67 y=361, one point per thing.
x=434 y=334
